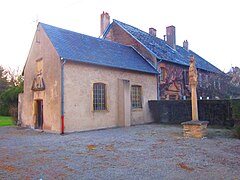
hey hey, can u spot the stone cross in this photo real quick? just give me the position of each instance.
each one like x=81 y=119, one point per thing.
x=194 y=128
x=193 y=84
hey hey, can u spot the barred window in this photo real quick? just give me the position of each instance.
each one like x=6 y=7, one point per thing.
x=99 y=96
x=136 y=96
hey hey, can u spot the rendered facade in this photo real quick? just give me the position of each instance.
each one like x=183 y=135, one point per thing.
x=75 y=82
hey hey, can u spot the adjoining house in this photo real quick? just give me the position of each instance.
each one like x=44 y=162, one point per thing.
x=171 y=60
x=74 y=82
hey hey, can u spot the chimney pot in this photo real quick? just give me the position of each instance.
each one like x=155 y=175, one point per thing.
x=185 y=45
x=104 y=22
x=171 y=36
x=153 y=32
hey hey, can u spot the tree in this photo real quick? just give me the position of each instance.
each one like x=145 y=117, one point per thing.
x=11 y=86
x=4 y=84
x=234 y=82
x=234 y=73
x=9 y=99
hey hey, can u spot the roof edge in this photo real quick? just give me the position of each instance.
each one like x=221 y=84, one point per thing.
x=157 y=72
x=108 y=66
x=114 y=20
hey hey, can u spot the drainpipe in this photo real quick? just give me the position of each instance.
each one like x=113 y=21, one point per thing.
x=158 y=87
x=62 y=94
x=158 y=82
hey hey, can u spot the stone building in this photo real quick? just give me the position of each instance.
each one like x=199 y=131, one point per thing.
x=74 y=82
x=171 y=60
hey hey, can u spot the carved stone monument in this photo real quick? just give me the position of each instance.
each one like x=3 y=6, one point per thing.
x=194 y=128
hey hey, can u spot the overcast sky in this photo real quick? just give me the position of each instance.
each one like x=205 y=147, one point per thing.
x=212 y=27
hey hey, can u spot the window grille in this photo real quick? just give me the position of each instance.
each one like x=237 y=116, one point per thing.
x=136 y=96
x=99 y=96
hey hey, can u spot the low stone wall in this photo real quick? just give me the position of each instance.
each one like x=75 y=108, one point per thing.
x=217 y=112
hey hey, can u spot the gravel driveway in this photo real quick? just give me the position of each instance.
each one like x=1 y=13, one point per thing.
x=139 y=152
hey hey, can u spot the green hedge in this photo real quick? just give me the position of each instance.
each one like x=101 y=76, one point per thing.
x=235 y=104
x=217 y=112
x=4 y=110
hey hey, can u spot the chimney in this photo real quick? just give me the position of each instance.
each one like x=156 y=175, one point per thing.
x=171 y=36
x=185 y=45
x=153 y=32
x=104 y=22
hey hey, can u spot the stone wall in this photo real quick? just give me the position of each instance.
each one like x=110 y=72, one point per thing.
x=117 y=34
x=208 y=83
x=217 y=112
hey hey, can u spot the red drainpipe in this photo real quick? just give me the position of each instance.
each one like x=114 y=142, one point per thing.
x=62 y=94
x=62 y=124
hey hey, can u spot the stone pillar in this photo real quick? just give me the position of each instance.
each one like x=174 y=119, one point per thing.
x=20 y=105
x=194 y=128
x=194 y=103
x=193 y=84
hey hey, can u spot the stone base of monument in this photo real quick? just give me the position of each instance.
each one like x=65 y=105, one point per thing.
x=195 y=129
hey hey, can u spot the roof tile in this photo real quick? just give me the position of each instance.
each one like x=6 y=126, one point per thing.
x=86 y=49
x=164 y=52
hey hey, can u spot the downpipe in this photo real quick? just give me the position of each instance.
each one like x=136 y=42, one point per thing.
x=62 y=96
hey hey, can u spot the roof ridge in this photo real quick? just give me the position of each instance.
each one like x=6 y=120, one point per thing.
x=157 y=47
x=78 y=47
x=140 y=30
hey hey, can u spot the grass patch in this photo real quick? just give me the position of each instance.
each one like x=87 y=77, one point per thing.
x=6 y=121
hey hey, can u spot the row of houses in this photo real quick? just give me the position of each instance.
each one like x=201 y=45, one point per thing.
x=75 y=82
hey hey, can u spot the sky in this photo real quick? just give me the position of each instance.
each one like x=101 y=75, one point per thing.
x=212 y=27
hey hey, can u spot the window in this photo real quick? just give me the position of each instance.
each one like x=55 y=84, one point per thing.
x=214 y=84
x=185 y=77
x=99 y=96
x=219 y=84
x=206 y=78
x=162 y=74
x=136 y=96
x=39 y=66
x=172 y=97
x=200 y=79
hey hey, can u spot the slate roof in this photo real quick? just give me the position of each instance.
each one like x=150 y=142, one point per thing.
x=86 y=49
x=162 y=51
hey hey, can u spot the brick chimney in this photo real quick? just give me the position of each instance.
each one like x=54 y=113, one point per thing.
x=153 y=32
x=104 y=22
x=171 y=36
x=185 y=45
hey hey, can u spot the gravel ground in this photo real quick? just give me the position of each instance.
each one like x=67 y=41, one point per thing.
x=139 y=152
